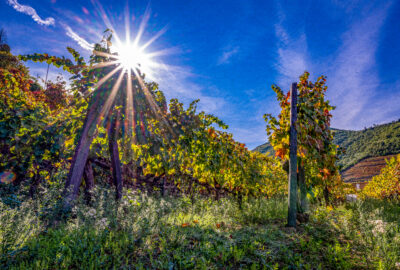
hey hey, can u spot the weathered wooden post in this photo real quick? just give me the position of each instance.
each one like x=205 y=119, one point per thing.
x=303 y=189
x=89 y=181
x=114 y=153
x=82 y=150
x=292 y=196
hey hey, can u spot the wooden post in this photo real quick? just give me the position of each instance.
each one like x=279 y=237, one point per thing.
x=303 y=190
x=114 y=153
x=89 y=181
x=82 y=151
x=292 y=196
x=47 y=74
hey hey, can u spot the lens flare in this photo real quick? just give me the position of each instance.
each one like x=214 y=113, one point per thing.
x=7 y=177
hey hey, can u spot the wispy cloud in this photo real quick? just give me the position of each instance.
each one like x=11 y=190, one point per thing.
x=291 y=53
x=81 y=41
x=353 y=77
x=253 y=136
x=178 y=82
x=292 y=61
x=31 y=12
x=227 y=55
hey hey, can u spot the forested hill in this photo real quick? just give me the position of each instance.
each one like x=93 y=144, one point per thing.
x=379 y=140
x=264 y=148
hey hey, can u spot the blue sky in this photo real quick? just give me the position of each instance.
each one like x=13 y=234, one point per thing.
x=229 y=53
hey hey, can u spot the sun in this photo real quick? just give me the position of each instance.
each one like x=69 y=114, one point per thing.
x=132 y=57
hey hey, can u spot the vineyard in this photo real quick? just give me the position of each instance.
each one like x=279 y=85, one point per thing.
x=101 y=172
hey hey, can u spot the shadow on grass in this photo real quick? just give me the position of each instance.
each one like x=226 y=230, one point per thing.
x=231 y=246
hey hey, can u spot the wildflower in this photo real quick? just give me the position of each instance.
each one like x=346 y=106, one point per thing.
x=195 y=221
x=102 y=223
x=91 y=212
x=219 y=225
x=185 y=225
x=379 y=226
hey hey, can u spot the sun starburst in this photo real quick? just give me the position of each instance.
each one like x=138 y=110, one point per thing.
x=132 y=60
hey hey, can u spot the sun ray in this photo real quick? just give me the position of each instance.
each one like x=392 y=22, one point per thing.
x=153 y=105
x=105 y=64
x=127 y=24
x=105 y=18
x=130 y=108
x=168 y=51
x=154 y=38
x=102 y=81
x=110 y=100
x=143 y=23
x=133 y=61
x=104 y=54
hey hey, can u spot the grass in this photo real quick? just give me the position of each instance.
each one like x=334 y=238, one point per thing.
x=150 y=232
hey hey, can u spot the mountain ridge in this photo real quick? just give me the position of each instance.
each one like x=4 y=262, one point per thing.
x=375 y=141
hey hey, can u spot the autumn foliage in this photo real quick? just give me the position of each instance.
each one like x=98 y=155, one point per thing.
x=183 y=147
x=386 y=185
x=317 y=153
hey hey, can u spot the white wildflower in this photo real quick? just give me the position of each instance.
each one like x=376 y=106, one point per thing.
x=91 y=213
x=351 y=197
x=379 y=226
x=102 y=223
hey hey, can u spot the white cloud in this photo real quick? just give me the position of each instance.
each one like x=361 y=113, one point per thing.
x=281 y=33
x=292 y=61
x=81 y=41
x=353 y=78
x=31 y=12
x=253 y=135
x=291 y=53
x=178 y=82
x=227 y=55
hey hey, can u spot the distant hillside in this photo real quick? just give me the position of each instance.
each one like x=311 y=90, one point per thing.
x=264 y=148
x=364 y=170
x=376 y=141
x=380 y=140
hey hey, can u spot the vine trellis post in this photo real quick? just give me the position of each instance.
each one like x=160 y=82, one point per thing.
x=101 y=111
x=80 y=166
x=292 y=194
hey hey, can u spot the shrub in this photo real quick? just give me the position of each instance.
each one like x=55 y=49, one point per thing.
x=386 y=185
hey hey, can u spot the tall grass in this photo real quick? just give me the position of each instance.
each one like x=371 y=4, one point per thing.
x=152 y=232
x=141 y=231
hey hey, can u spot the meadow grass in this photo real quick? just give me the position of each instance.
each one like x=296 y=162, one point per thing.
x=152 y=232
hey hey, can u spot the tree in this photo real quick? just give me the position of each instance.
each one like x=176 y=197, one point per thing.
x=30 y=136
x=7 y=60
x=170 y=143
x=115 y=96
x=204 y=159
x=317 y=154
x=4 y=47
x=56 y=94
